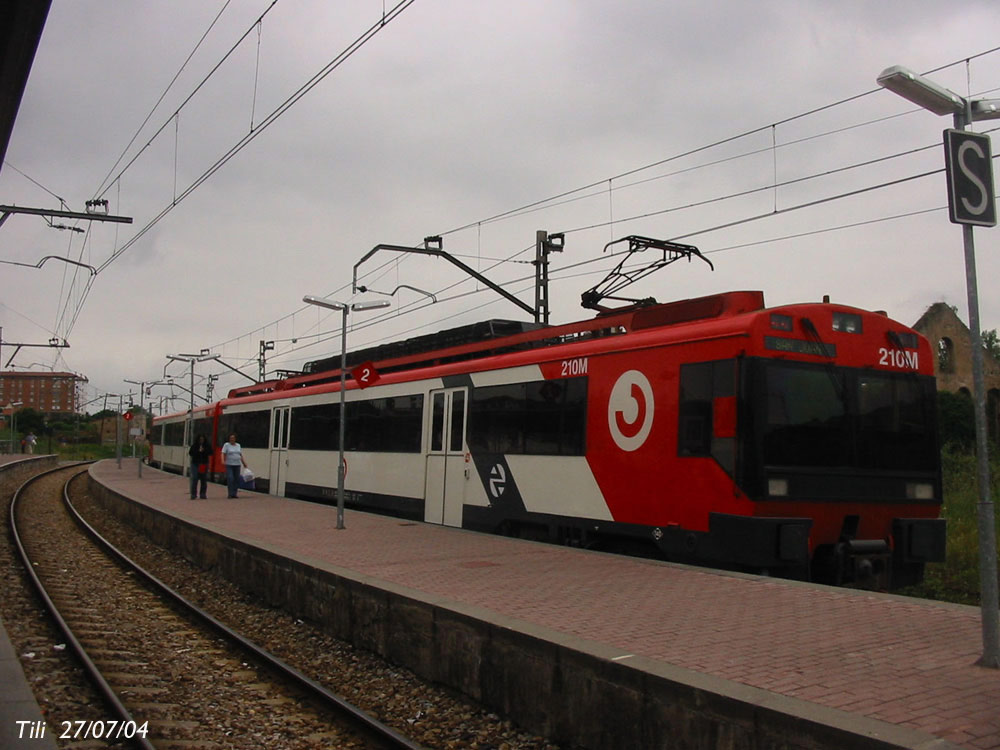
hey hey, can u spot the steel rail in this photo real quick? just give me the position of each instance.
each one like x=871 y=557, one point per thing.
x=374 y=728
x=116 y=706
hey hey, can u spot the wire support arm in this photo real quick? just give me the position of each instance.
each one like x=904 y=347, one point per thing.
x=88 y=216
x=433 y=248
x=238 y=372
x=39 y=264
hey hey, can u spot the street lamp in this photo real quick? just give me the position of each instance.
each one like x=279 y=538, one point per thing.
x=343 y=308
x=942 y=101
x=936 y=98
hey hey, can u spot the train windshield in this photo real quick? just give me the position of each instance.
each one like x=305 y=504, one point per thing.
x=824 y=416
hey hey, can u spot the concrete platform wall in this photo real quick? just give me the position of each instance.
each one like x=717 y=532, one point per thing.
x=576 y=693
x=15 y=472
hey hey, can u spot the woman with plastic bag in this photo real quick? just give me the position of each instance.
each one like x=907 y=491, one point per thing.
x=232 y=457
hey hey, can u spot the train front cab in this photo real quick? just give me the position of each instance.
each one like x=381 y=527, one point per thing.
x=841 y=464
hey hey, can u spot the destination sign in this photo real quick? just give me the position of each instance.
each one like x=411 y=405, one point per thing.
x=800 y=346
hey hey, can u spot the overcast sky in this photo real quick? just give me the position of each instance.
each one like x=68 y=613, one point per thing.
x=452 y=114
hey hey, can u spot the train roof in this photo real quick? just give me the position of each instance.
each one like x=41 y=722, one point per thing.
x=712 y=316
x=489 y=338
x=483 y=331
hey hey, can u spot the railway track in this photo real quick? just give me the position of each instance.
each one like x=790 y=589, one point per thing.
x=171 y=675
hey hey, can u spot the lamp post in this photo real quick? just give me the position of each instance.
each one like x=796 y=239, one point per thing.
x=343 y=308
x=191 y=359
x=942 y=101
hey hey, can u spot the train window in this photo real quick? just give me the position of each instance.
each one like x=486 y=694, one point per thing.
x=385 y=425
x=157 y=434
x=814 y=418
x=381 y=425
x=457 y=433
x=807 y=418
x=173 y=433
x=202 y=426
x=315 y=428
x=252 y=428
x=781 y=322
x=496 y=419
x=546 y=418
x=276 y=443
x=437 y=423
x=896 y=423
x=847 y=322
x=701 y=383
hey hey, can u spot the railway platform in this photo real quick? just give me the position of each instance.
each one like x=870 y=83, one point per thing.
x=595 y=649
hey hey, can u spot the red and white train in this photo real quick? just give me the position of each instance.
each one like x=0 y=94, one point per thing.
x=799 y=440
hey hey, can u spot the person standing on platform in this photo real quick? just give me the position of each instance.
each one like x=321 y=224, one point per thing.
x=30 y=440
x=232 y=457
x=200 y=453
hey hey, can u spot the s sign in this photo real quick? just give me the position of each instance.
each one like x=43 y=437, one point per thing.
x=630 y=410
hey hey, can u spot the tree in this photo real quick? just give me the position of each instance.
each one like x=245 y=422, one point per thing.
x=956 y=421
x=991 y=343
x=30 y=420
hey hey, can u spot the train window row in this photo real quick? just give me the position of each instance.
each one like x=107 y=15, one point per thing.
x=538 y=418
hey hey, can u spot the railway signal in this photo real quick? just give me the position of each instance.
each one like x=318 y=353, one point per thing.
x=971 y=198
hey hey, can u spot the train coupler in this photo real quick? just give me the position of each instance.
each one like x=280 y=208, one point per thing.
x=863 y=563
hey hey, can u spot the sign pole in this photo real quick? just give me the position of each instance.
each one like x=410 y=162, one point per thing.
x=964 y=211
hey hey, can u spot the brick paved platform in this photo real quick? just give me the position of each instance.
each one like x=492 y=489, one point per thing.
x=895 y=669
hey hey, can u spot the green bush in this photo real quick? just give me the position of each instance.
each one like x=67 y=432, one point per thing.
x=957 y=579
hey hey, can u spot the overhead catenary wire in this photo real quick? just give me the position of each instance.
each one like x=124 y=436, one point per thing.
x=107 y=178
x=539 y=204
x=546 y=203
x=555 y=274
x=275 y=114
x=35 y=182
x=561 y=275
x=605 y=184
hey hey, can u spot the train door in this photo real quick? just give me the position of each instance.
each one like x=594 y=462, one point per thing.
x=447 y=469
x=281 y=418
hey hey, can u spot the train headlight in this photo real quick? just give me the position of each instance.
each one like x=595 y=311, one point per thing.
x=919 y=491
x=777 y=487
